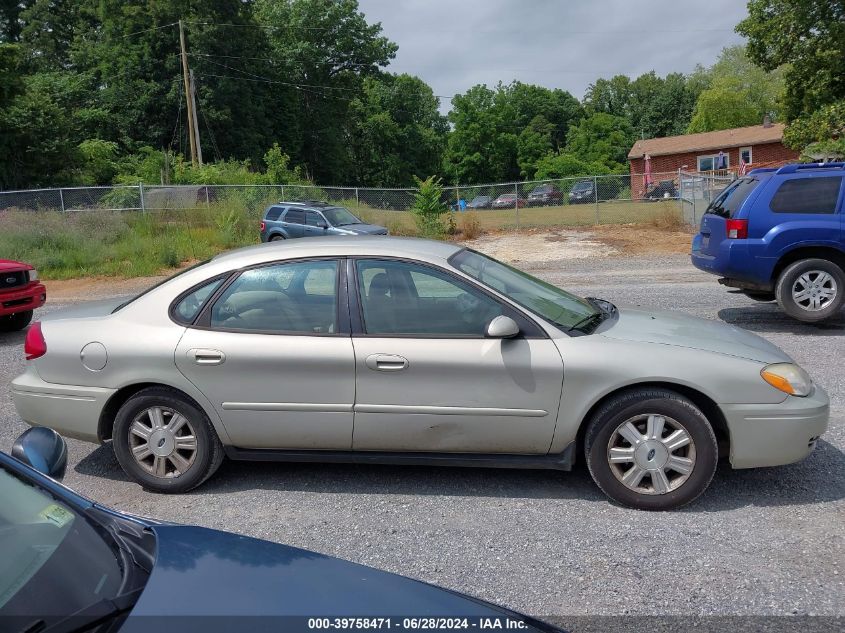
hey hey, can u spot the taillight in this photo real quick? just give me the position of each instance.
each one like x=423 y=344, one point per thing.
x=737 y=229
x=34 y=345
x=263 y=226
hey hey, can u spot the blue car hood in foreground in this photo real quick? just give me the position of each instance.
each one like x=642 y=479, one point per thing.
x=217 y=579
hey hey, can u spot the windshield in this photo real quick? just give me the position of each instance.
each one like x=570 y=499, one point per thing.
x=727 y=203
x=543 y=189
x=338 y=216
x=477 y=199
x=582 y=186
x=551 y=303
x=53 y=562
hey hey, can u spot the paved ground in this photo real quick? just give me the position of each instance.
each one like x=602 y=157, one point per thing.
x=768 y=541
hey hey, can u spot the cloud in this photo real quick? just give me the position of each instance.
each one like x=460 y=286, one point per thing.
x=455 y=44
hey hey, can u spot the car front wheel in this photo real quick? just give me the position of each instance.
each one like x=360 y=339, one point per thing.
x=651 y=449
x=165 y=442
x=811 y=290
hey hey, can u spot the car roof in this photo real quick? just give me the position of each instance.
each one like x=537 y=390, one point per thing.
x=363 y=245
x=309 y=205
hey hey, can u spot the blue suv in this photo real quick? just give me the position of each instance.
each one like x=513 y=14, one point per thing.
x=780 y=234
x=287 y=220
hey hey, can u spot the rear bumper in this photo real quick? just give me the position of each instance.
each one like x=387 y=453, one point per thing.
x=22 y=299
x=70 y=410
x=773 y=435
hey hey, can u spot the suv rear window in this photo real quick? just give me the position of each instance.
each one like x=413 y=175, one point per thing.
x=730 y=200
x=295 y=216
x=273 y=213
x=807 y=195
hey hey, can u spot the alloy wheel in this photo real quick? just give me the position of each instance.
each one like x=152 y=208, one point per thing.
x=814 y=290
x=163 y=442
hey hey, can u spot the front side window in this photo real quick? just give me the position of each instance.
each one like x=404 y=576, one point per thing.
x=189 y=307
x=403 y=298
x=292 y=298
x=553 y=304
x=807 y=195
x=52 y=560
x=312 y=218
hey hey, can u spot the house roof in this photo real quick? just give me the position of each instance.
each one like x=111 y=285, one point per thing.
x=722 y=139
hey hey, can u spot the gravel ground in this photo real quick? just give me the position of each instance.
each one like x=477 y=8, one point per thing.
x=760 y=542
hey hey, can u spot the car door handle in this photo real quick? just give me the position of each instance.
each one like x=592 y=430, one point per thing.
x=207 y=356
x=386 y=362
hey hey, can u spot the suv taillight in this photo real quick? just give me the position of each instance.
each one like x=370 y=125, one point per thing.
x=34 y=345
x=737 y=229
x=263 y=226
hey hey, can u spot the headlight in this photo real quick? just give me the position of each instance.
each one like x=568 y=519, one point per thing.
x=788 y=378
x=33 y=275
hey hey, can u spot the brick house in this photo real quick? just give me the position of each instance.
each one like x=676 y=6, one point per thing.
x=757 y=145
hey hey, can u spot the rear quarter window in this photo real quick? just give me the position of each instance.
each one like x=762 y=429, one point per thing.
x=727 y=203
x=807 y=195
x=273 y=213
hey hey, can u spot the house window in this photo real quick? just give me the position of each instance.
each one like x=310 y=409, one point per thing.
x=745 y=155
x=709 y=161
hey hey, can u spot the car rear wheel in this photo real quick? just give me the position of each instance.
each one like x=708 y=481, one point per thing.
x=15 y=322
x=811 y=290
x=165 y=442
x=651 y=449
x=277 y=238
x=761 y=296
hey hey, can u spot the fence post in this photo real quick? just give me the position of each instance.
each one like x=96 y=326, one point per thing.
x=207 y=201
x=596 y=196
x=283 y=194
x=516 y=203
x=141 y=191
x=62 y=200
x=357 y=202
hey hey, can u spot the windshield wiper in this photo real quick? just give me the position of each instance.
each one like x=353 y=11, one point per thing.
x=587 y=321
x=95 y=614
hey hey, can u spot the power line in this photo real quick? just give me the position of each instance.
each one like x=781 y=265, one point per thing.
x=155 y=28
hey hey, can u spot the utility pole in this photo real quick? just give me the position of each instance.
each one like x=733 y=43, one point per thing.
x=189 y=97
x=194 y=115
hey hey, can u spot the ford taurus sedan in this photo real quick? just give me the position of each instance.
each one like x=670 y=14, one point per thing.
x=391 y=350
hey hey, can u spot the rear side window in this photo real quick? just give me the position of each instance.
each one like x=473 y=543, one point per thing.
x=273 y=213
x=189 y=307
x=807 y=195
x=727 y=203
x=295 y=216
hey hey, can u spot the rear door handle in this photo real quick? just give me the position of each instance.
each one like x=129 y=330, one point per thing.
x=386 y=362
x=207 y=356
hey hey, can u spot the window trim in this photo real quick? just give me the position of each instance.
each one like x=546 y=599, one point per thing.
x=171 y=310
x=203 y=320
x=750 y=149
x=698 y=158
x=529 y=328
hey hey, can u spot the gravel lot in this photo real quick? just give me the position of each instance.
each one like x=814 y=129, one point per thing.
x=761 y=542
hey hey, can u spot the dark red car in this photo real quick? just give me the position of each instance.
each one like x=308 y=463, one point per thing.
x=20 y=294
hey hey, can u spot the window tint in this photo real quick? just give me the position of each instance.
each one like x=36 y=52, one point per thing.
x=730 y=200
x=412 y=299
x=189 y=307
x=314 y=219
x=807 y=195
x=273 y=213
x=295 y=216
x=295 y=298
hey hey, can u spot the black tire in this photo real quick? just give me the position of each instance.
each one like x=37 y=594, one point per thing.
x=643 y=402
x=791 y=275
x=277 y=238
x=15 y=322
x=209 y=451
x=759 y=295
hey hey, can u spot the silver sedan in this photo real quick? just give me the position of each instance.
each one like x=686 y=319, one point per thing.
x=411 y=352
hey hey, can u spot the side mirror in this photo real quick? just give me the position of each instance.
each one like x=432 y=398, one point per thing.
x=502 y=327
x=323 y=226
x=44 y=450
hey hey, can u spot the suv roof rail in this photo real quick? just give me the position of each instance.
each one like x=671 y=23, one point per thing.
x=761 y=170
x=794 y=167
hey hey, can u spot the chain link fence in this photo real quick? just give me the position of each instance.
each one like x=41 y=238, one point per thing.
x=577 y=201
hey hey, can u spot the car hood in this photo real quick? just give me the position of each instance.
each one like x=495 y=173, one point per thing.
x=363 y=229
x=7 y=265
x=101 y=307
x=217 y=575
x=674 y=328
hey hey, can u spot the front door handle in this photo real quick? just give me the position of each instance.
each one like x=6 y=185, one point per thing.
x=386 y=362
x=207 y=356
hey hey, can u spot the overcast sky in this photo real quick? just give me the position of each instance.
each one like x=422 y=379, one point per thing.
x=455 y=44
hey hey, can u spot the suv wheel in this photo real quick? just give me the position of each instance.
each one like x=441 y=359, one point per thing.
x=277 y=238
x=165 y=442
x=15 y=322
x=811 y=290
x=651 y=449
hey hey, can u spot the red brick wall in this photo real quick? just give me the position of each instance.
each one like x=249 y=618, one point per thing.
x=767 y=154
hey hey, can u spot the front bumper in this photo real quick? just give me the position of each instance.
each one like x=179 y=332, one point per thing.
x=776 y=434
x=69 y=410
x=28 y=297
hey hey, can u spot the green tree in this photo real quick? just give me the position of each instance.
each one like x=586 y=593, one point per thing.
x=722 y=109
x=534 y=142
x=563 y=165
x=820 y=135
x=428 y=207
x=603 y=139
x=809 y=36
